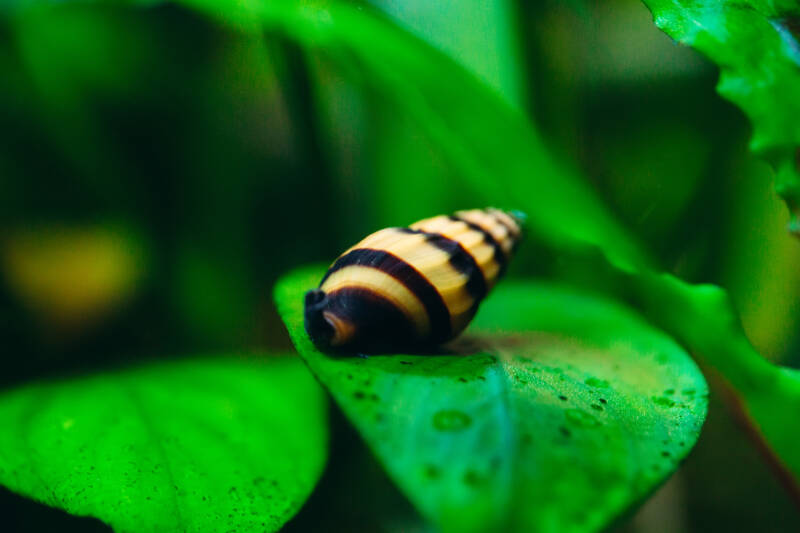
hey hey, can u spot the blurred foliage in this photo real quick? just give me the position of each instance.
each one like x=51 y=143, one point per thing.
x=757 y=45
x=167 y=165
x=171 y=447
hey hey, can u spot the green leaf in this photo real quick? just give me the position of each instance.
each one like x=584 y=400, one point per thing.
x=488 y=142
x=764 y=395
x=198 y=445
x=405 y=176
x=483 y=37
x=557 y=412
x=756 y=44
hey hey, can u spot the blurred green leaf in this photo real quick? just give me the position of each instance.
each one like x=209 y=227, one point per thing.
x=766 y=396
x=412 y=178
x=198 y=445
x=557 y=412
x=756 y=44
x=481 y=36
x=490 y=143
x=761 y=262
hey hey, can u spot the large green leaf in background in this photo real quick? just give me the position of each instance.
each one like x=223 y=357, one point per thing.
x=483 y=36
x=490 y=143
x=756 y=44
x=200 y=445
x=557 y=412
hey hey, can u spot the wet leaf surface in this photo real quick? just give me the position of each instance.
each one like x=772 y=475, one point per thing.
x=199 y=445
x=557 y=411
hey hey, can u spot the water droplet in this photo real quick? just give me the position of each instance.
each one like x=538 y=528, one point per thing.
x=473 y=478
x=431 y=472
x=663 y=401
x=596 y=382
x=580 y=418
x=451 y=420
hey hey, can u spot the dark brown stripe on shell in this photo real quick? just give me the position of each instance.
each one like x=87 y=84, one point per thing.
x=438 y=314
x=499 y=255
x=461 y=260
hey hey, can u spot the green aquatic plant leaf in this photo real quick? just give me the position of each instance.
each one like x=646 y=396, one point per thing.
x=484 y=37
x=764 y=396
x=557 y=411
x=199 y=445
x=756 y=44
x=489 y=143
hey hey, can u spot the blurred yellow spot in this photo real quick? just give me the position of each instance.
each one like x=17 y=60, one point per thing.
x=72 y=276
x=68 y=423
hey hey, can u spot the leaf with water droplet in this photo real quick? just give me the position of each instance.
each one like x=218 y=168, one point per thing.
x=765 y=396
x=451 y=420
x=198 y=445
x=547 y=398
x=599 y=383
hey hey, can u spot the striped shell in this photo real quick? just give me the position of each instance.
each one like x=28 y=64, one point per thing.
x=415 y=286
